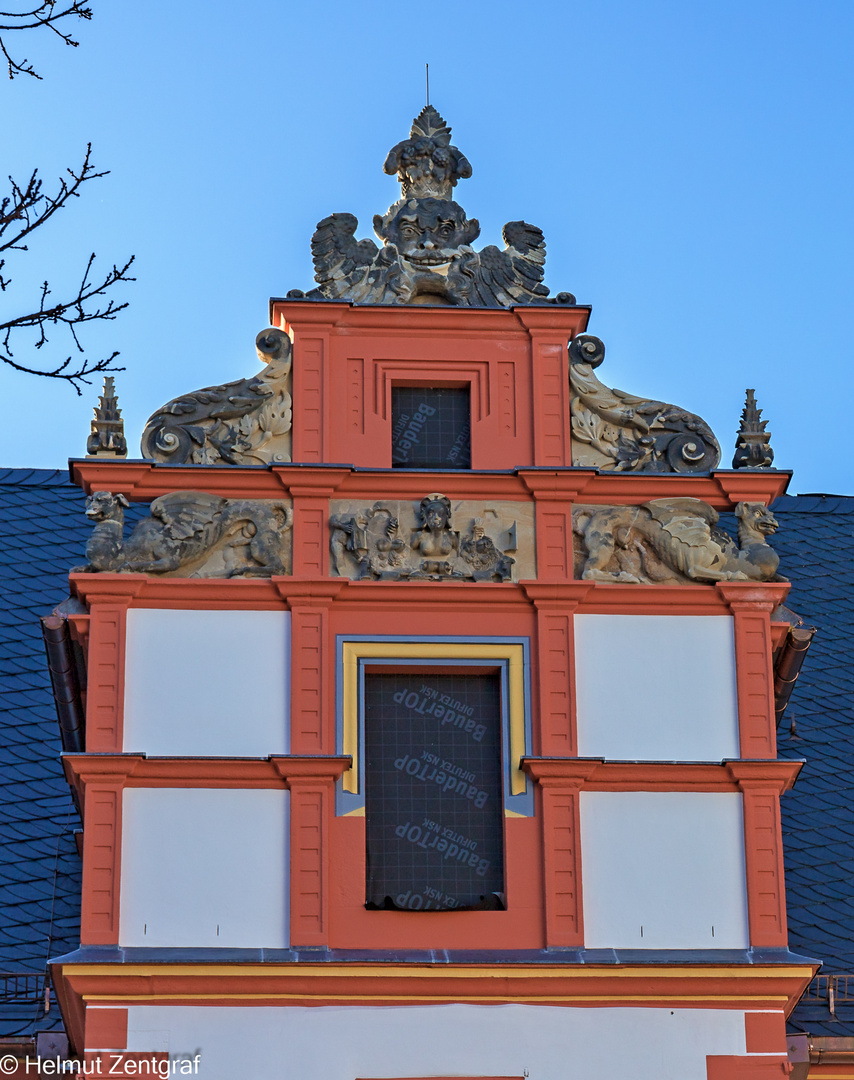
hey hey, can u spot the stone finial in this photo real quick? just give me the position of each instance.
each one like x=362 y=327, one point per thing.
x=108 y=429
x=426 y=164
x=752 y=442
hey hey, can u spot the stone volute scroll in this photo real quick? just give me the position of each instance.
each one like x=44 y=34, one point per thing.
x=247 y=422
x=427 y=255
x=617 y=431
x=403 y=541
x=673 y=541
x=191 y=534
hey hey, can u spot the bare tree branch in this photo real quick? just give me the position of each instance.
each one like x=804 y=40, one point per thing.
x=25 y=209
x=43 y=16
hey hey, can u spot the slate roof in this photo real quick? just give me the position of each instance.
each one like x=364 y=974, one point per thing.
x=42 y=534
x=816 y=546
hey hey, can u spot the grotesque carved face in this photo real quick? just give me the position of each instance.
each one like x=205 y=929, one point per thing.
x=428 y=233
x=758 y=517
x=103 y=505
x=436 y=512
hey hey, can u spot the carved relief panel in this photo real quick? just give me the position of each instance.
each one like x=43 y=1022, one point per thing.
x=673 y=541
x=434 y=540
x=191 y=534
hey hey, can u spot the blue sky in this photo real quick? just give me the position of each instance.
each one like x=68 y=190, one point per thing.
x=690 y=165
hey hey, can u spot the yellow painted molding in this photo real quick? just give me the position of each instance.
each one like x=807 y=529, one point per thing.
x=554 y=999
x=513 y=653
x=503 y=970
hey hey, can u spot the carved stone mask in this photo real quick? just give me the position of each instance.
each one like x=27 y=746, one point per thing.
x=429 y=233
x=436 y=512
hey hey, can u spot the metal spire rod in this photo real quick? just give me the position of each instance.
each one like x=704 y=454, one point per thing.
x=427 y=75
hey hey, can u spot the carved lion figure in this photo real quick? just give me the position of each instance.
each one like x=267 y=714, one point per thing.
x=185 y=528
x=676 y=540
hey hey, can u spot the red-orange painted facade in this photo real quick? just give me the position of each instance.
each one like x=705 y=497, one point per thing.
x=346 y=362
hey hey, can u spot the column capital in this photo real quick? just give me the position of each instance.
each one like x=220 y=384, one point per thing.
x=753 y=595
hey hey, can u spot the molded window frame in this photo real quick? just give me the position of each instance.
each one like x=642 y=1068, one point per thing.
x=433 y=384
x=510 y=656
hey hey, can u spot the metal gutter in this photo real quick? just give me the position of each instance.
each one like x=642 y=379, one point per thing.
x=831 y=1050
x=65 y=681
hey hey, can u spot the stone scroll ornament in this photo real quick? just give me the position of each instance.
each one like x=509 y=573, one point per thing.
x=372 y=544
x=247 y=422
x=427 y=255
x=616 y=431
x=674 y=541
x=191 y=534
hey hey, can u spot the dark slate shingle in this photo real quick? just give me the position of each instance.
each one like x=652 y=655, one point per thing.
x=815 y=542
x=42 y=534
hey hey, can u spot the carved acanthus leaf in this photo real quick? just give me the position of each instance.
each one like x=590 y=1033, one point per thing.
x=617 y=431
x=246 y=422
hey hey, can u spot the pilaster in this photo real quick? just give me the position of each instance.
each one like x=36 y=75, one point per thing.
x=558 y=726
x=751 y=605
x=109 y=596
x=312 y=787
x=761 y=787
x=560 y=783
x=312 y=724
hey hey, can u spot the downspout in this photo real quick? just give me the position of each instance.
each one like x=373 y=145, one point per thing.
x=789 y=664
x=65 y=682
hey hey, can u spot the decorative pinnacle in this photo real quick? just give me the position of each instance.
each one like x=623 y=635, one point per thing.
x=426 y=164
x=752 y=442
x=108 y=429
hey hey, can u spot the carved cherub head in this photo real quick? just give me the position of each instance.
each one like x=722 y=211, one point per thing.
x=428 y=233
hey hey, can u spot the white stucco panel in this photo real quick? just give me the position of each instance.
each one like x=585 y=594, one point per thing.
x=207 y=683
x=204 y=867
x=536 y=1041
x=663 y=870
x=656 y=687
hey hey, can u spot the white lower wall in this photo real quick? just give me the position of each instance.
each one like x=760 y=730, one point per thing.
x=536 y=1041
x=656 y=687
x=207 y=683
x=663 y=870
x=204 y=867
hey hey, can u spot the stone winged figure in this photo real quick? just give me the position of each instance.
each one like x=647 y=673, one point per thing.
x=427 y=255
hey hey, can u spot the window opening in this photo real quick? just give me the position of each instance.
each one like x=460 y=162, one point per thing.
x=434 y=813
x=430 y=427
